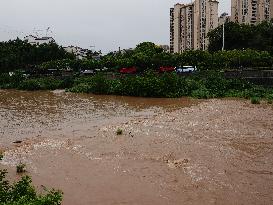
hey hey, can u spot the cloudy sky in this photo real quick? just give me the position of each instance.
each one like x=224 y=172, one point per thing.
x=105 y=24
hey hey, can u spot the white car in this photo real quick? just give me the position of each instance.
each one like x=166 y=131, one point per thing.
x=88 y=72
x=185 y=69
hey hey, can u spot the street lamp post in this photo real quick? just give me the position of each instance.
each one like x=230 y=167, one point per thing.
x=223 y=47
x=224 y=16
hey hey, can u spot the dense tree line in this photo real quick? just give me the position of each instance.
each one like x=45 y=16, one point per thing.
x=243 y=36
x=148 y=55
x=18 y=54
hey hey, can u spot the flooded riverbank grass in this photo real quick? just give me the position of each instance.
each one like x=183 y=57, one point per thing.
x=202 y=85
x=20 y=168
x=119 y=131
x=170 y=85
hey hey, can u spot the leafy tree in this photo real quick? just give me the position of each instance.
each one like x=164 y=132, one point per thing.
x=23 y=193
x=243 y=36
x=18 y=54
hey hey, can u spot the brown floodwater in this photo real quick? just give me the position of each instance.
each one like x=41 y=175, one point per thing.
x=171 y=151
x=33 y=114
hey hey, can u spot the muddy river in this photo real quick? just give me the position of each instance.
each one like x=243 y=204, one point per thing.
x=172 y=151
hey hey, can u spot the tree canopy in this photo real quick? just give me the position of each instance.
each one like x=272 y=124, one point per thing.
x=243 y=36
x=18 y=54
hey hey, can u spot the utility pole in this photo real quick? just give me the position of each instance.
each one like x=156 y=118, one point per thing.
x=223 y=48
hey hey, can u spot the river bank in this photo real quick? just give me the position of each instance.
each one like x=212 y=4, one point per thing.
x=172 y=151
x=201 y=85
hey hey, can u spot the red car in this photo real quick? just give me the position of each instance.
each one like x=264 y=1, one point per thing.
x=166 y=69
x=131 y=70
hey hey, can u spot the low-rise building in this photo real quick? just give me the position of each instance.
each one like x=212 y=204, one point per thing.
x=33 y=40
x=80 y=53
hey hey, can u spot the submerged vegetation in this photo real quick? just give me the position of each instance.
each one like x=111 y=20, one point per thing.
x=119 y=131
x=255 y=100
x=170 y=85
x=23 y=193
x=203 y=85
x=21 y=168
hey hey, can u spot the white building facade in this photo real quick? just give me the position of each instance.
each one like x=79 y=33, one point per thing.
x=251 y=11
x=190 y=24
x=33 y=40
x=80 y=53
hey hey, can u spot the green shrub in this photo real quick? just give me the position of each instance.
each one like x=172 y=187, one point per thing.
x=255 y=100
x=41 y=84
x=269 y=98
x=20 y=168
x=4 y=80
x=80 y=88
x=23 y=193
x=119 y=131
x=99 y=85
x=170 y=85
x=66 y=83
x=17 y=77
x=32 y=84
x=50 y=83
x=201 y=93
x=216 y=84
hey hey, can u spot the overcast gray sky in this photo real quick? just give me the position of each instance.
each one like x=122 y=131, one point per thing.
x=106 y=24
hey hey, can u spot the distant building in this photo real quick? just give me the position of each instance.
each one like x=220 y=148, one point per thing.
x=166 y=48
x=251 y=11
x=190 y=24
x=33 y=40
x=80 y=53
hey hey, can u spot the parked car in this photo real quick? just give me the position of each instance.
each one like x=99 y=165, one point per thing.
x=185 y=69
x=88 y=72
x=164 y=69
x=131 y=70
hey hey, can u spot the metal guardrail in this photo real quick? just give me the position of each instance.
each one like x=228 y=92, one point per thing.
x=259 y=77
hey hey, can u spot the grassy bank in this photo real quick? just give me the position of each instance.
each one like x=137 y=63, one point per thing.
x=169 y=85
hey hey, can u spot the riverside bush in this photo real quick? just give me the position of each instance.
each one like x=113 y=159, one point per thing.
x=41 y=84
x=31 y=84
x=80 y=88
x=255 y=100
x=205 y=84
x=23 y=193
x=170 y=85
x=201 y=93
x=4 y=79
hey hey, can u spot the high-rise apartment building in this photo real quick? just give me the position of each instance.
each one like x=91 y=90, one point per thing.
x=187 y=27
x=190 y=24
x=251 y=11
